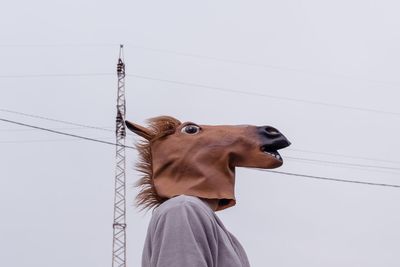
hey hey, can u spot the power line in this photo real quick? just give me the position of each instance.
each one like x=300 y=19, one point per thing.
x=40 y=141
x=42 y=75
x=206 y=57
x=330 y=178
x=114 y=144
x=62 y=133
x=287 y=149
x=222 y=89
x=26 y=130
x=262 y=65
x=364 y=169
x=342 y=155
x=55 y=120
x=288 y=157
x=60 y=45
x=345 y=163
x=43 y=140
x=105 y=129
x=229 y=90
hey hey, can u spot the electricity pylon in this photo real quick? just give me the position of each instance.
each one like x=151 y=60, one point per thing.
x=119 y=224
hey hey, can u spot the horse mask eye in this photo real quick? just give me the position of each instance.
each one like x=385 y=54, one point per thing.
x=191 y=129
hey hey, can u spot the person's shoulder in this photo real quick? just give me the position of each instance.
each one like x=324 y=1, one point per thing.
x=183 y=204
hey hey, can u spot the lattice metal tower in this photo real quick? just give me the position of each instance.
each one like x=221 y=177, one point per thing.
x=119 y=225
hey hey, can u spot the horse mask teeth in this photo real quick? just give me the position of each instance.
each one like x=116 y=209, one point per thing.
x=199 y=160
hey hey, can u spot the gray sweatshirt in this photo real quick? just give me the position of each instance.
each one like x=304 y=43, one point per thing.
x=185 y=232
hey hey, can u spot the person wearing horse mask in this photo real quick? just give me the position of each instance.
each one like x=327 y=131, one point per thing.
x=189 y=174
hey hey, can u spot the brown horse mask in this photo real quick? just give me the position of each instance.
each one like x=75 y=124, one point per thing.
x=199 y=160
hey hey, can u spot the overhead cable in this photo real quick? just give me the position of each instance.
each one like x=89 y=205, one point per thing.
x=55 y=120
x=61 y=45
x=330 y=178
x=105 y=129
x=230 y=90
x=41 y=141
x=41 y=75
x=114 y=144
x=341 y=155
x=27 y=130
x=206 y=57
x=262 y=65
x=345 y=163
x=59 y=121
x=62 y=133
x=217 y=88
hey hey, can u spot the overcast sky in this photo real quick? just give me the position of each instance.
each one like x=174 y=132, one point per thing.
x=56 y=192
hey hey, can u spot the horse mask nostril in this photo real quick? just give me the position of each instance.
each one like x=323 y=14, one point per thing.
x=271 y=131
x=272 y=138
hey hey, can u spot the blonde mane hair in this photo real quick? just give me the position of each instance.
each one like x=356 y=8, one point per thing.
x=159 y=127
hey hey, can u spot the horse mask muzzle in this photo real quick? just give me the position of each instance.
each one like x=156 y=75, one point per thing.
x=200 y=160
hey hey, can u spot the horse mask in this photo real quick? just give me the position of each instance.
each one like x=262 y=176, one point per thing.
x=199 y=160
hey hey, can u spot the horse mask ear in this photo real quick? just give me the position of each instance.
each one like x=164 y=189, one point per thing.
x=139 y=130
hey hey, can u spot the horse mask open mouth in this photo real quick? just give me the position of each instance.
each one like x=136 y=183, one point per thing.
x=199 y=160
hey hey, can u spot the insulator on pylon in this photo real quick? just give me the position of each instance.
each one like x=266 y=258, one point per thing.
x=120 y=66
x=119 y=117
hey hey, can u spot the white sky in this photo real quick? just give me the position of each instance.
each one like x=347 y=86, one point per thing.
x=56 y=192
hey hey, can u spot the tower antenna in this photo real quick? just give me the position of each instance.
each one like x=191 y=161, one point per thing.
x=119 y=223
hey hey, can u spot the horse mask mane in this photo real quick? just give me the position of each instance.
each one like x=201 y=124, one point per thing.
x=199 y=160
